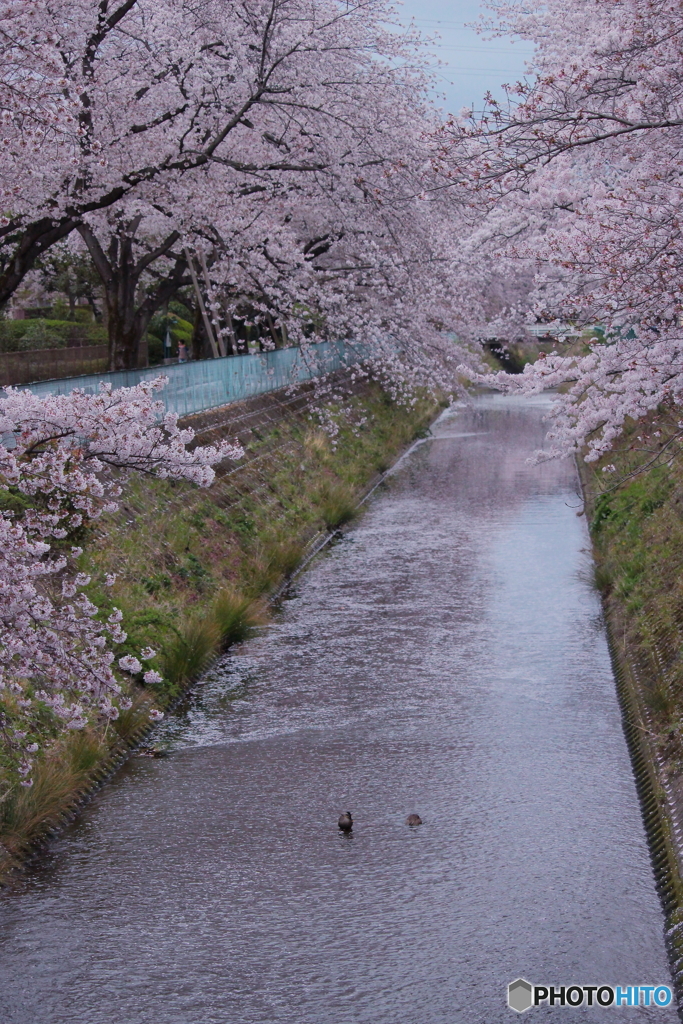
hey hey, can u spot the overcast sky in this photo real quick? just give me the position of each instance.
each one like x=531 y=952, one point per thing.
x=471 y=64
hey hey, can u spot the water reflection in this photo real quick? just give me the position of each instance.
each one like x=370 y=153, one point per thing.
x=446 y=658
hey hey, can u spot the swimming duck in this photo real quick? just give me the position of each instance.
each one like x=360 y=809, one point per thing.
x=345 y=821
x=413 y=819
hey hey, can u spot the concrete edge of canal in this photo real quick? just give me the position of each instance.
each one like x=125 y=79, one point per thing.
x=658 y=809
x=657 y=801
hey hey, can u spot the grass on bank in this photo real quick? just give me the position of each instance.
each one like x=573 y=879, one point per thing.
x=180 y=552
x=636 y=519
x=194 y=568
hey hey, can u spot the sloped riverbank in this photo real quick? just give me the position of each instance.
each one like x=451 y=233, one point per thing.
x=195 y=568
x=634 y=503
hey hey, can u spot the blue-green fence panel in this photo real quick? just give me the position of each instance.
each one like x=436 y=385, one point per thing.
x=195 y=386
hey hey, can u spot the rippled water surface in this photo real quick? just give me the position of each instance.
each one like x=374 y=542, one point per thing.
x=447 y=657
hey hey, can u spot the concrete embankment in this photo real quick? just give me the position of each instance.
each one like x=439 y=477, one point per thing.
x=634 y=503
x=196 y=569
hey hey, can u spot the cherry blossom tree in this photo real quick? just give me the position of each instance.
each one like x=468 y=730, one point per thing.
x=68 y=273
x=123 y=97
x=335 y=124
x=387 y=273
x=586 y=155
x=285 y=141
x=139 y=273
x=57 y=463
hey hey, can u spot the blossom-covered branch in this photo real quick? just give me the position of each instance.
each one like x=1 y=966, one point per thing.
x=56 y=651
x=586 y=156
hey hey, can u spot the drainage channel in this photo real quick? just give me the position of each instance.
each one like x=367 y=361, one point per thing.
x=447 y=657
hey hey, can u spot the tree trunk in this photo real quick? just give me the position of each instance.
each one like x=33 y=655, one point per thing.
x=120 y=275
x=125 y=332
x=273 y=333
x=197 y=333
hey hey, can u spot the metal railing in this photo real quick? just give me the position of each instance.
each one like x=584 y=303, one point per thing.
x=196 y=386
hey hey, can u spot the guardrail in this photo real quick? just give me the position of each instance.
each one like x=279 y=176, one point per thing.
x=196 y=386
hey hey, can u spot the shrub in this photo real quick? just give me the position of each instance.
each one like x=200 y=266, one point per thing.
x=30 y=335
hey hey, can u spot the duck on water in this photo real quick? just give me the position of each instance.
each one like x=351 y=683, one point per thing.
x=346 y=821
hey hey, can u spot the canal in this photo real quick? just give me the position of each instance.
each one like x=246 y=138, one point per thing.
x=447 y=657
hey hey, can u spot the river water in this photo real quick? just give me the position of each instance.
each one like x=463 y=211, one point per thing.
x=447 y=657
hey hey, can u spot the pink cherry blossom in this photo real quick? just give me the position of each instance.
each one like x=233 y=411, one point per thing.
x=578 y=179
x=55 y=652
x=286 y=145
x=129 y=664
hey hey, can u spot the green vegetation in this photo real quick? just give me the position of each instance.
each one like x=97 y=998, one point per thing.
x=636 y=518
x=337 y=504
x=29 y=335
x=184 y=557
x=177 y=321
x=195 y=567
